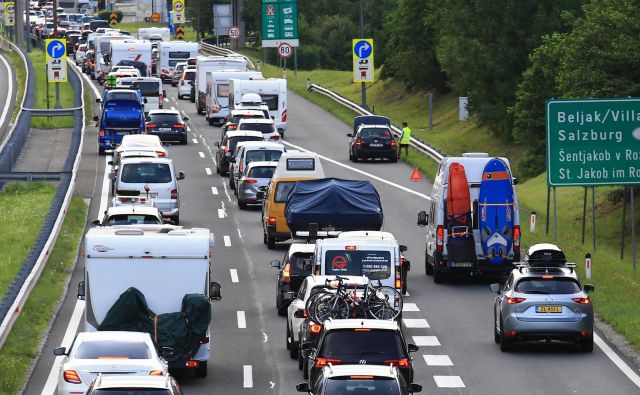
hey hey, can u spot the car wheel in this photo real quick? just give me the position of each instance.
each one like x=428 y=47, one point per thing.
x=185 y=141
x=293 y=350
x=100 y=151
x=355 y=157
x=199 y=110
x=350 y=156
x=218 y=169
x=287 y=342
x=201 y=370
x=176 y=219
x=439 y=277
x=305 y=371
x=496 y=334
x=271 y=242
x=506 y=343
x=264 y=237
x=586 y=344
x=210 y=120
x=231 y=184
x=179 y=97
x=394 y=159
x=242 y=205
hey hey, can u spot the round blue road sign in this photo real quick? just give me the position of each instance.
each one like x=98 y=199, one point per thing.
x=55 y=49
x=363 y=49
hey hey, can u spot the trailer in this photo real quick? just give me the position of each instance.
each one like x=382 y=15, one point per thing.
x=216 y=101
x=273 y=92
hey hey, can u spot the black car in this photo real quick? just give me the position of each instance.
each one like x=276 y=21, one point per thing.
x=371 y=142
x=227 y=146
x=294 y=268
x=359 y=341
x=168 y=125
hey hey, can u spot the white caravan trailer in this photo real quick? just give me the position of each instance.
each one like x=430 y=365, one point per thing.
x=273 y=92
x=205 y=64
x=146 y=32
x=171 y=53
x=217 y=92
x=132 y=53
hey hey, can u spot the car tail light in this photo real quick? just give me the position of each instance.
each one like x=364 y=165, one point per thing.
x=582 y=300
x=192 y=364
x=350 y=248
x=322 y=362
x=284 y=116
x=204 y=340
x=361 y=378
x=393 y=143
x=274 y=138
x=151 y=125
x=102 y=133
x=160 y=154
x=174 y=194
x=439 y=238
x=511 y=300
x=271 y=220
x=315 y=328
x=156 y=373
x=401 y=363
x=286 y=273
x=362 y=329
x=71 y=376
x=585 y=333
x=398 y=282
x=119 y=153
x=516 y=238
x=249 y=181
x=510 y=333
x=232 y=127
x=161 y=97
x=358 y=142
x=178 y=125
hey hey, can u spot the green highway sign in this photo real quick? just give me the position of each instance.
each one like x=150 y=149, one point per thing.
x=279 y=23
x=593 y=142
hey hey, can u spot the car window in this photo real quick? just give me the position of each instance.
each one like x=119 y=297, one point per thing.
x=375 y=133
x=261 y=172
x=263 y=155
x=357 y=263
x=148 y=88
x=260 y=127
x=131 y=391
x=104 y=349
x=237 y=118
x=128 y=219
x=350 y=343
x=282 y=191
x=190 y=75
x=301 y=260
x=152 y=173
x=165 y=118
x=349 y=386
x=563 y=286
x=233 y=141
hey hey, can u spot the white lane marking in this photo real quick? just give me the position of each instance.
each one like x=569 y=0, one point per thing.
x=415 y=323
x=406 y=294
x=5 y=111
x=226 y=191
x=195 y=141
x=213 y=157
x=613 y=356
x=52 y=379
x=221 y=213
x=426 y=341
x=266 y=338
x=393 y=184
x=104 y=193
x=410 y=307
x=201 y=154
x=448 y=381
x=208 y=171
x=242 y=321
x=247 y=372
x=239 y=233
x=234 y=275
x=437 y=360
x=227 y=241
x=214 y=190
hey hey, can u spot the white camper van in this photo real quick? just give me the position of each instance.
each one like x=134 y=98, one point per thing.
x=145 y=33
x=216 y=102
x=451 y=247
x=132 y=53
x=206 y=64
x=171 y=53
x=273 y=92
x=163 y=264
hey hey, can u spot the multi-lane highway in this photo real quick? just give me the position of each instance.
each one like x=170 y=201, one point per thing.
x=452 y=323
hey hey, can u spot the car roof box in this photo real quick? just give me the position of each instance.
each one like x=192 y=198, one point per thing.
x=370 y=120
x=545 y=255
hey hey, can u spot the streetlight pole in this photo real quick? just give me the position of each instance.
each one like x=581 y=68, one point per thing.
x=363 y=84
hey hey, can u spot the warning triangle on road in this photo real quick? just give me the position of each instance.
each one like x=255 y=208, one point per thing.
x=415 y=175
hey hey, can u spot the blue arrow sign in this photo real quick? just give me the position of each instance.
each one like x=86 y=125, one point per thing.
x=362 y=49
x=56 y=49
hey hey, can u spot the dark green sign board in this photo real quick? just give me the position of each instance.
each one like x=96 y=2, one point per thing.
x=279 y=22
x=593 y=142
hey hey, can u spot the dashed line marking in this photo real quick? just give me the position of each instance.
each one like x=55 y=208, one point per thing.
x=221 y=213
x=437 y=360
x=247 y=372
x=239 y=233
x=208 y=171
x=227 y=241
x=426 y=341
x=415 y=323
x=214 y=190
x=410 y=307
x=265 y=337
x=195 y=141
x=449 y=381
x=234 y=275
x=201 y=154
x=242 y=321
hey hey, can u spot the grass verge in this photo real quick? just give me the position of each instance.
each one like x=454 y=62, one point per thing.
x=24 y=207
x=22 y=345
x=42 y=95
x=21 y=76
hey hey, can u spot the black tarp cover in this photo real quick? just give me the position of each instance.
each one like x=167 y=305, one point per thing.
x=180 y=331
x=334 y=204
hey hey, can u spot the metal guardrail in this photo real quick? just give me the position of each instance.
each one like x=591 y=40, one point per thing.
x=54 y=112
x=214 y=50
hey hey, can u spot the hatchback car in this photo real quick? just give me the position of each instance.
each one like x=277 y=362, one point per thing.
x=251 y=151
x=543 y=299
x=373 y=141
x=256 y=175
x=292 y=270
x=227 y=146
x=236 y=115
x=118 y=384
x=266 y=126
x=168 y=125
x=106 y=352
x=177 y=73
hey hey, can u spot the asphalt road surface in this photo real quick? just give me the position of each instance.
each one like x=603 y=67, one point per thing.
x=452 y=323
x=8 y=90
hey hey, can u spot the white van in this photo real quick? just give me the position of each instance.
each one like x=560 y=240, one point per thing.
x=216 y=101
x=132 y=53
x=145 y=33
x=272 y=91
x=439 y=260
x=206 y=64
x=103 y=53
x=151 y=89
x=171 y=53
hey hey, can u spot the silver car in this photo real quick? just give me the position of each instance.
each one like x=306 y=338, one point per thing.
x=543 y=300
x=254 y=176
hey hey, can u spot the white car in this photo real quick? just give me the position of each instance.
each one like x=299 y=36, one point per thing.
x=141 y=142
x=266 y=126
x=184 y=86
x=106 y=352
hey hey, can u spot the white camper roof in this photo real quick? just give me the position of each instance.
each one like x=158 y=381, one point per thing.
x=296 y=164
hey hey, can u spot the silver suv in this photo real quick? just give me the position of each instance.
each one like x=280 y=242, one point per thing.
x=543 y=300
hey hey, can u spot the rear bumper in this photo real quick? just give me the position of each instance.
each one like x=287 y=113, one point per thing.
x=554 y=330
x=170 y=136
x=386 y=153
x=279 y=236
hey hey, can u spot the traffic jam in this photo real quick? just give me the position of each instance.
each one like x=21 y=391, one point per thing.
x=342 y=284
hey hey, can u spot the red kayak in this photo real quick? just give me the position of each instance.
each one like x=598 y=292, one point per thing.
x=458 y=198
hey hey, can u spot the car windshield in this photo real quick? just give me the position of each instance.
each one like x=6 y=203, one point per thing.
x=131 y=391
x=148 y=173
x=562 y=286
x=263 y=155
x=165 y=118
x=260 y=127
x=374 y=386
x=282 y=190
x=115 y=95
x=233 y=141
x=128 y=219
x=357 y=263
x=147 y=88
x=190 y=75
x=110 y=349
x=353 y=343
x=375 y=133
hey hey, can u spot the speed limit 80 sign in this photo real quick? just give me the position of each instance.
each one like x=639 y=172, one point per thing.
x=285 y=50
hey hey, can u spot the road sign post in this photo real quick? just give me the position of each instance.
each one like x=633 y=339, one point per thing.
x=56 y=64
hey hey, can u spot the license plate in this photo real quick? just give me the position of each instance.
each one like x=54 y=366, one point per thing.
x=164 y=129
x=375 y=145
x=461 y=264
x=123 y=133
x=548 y=309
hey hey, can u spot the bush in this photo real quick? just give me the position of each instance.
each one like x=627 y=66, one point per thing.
x=105 y=15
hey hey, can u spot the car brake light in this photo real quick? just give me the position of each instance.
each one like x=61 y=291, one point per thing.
x=161 y=97
x=516 y=238
x=585 y=333
x=192 y=364
x=286 y=273
x=351 y=248
x=102 y=133
x=71 y=376
x=401 y=363
x=439 y=238
x=322 y=362
x=174 y=194
x=274 y=138
x=358 y=142
x=178 y=125
x=361 y=377
x=398 y=282
x=232 y=127
x=511 y=300
x=241 y=167
x=156 y=373
x=284 y=116
x=362 y=329
x=249 y=181
x=582 y=300
x=271 y=220
x=510 y=333
x=151 y=125
x=160 y=154
x=315 y=328
x=393 y=143
x=547 y=277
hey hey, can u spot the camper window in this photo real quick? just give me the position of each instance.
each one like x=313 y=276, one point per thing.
x=271 y=101
x=222 y=90
x=282 y=191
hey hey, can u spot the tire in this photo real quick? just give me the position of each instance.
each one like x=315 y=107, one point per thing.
x=439 y=277
x=323 y=308
x=428 y=267
x=300 y=361
x=282 y=309
x=217 y=169
x=231 y=184
x=293 y=345
x=185 y=141
x=506 y=343
x=394 y=159
x=586 y=345
x=350 y=156
x=355 y=158
x=305 y=371
x=210 y=120
x=496 y=334
x=286 y=338
x=201 y=370
x=264 y=237
x=271 y=242
x=381 y=309
x=179 y=97
x=199 y=110
x=176 y=219
x=101 y=151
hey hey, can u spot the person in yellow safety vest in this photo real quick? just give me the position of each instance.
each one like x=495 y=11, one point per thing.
x=405 y=139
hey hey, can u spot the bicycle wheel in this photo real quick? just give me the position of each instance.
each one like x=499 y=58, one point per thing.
x=331 y=306
x=310 y=306
x=384 y=303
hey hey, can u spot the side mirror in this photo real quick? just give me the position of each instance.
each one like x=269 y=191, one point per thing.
x=303 y=387
x=60 y=351
x=260 y=195
x=299 y=314
x=185 y=119
x=495 y=288
x=215 y=291
x=412 y=348
x=403 y=248
x=515 y=181
x=413 y=388
x=147 y=119
x=588 y=288
x=81 y=292
x=349 y=135
x=181 y=175
x=95 y=222
x=96 y=118
x=276 y=264
x=423 y=218
x=144 y=100
x=111 y=163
